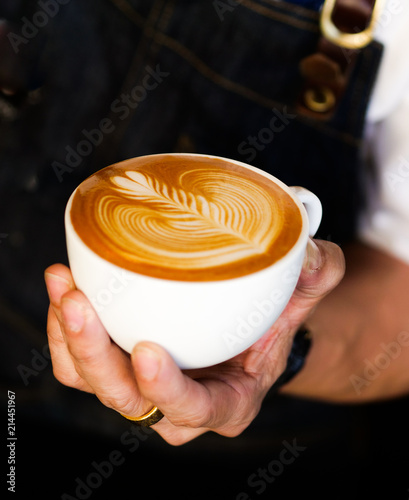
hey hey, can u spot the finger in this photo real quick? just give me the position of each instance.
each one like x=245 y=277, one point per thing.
x=161 y=381
x=99 y=361
x=58 y=280
x=323 y=269
x=198 y=404
x=63 y=365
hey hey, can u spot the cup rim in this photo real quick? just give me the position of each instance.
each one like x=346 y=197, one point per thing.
x=301 y=241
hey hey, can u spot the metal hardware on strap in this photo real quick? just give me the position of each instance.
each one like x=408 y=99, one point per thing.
x=353 y=41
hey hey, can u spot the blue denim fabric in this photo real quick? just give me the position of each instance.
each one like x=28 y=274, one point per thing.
x=309 y=4
x=227 y=84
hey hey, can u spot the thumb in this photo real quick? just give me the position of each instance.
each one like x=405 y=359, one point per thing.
x=323 y=269
x=183 y=400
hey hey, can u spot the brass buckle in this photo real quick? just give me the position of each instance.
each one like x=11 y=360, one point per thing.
x=348 y=40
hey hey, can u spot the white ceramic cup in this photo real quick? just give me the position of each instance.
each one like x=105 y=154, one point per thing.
x=198 y=323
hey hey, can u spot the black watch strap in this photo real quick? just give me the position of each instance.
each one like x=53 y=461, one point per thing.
x=296 y=358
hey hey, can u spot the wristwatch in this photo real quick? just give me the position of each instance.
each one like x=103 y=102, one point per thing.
x=296 y=359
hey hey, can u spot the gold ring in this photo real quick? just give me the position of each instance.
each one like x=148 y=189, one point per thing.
x=152 y=417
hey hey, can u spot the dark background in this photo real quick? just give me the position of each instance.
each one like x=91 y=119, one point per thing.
x=350 y=452
x=346 y=452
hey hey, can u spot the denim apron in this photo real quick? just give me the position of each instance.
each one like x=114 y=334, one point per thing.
x=107 y=80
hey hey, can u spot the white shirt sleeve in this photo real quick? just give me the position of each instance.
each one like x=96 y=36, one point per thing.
x=384 y=224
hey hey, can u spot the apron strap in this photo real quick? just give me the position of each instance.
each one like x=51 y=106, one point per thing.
x=346 y=27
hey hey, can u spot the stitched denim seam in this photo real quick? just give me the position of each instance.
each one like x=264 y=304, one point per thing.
x=229 y=85
x=291 y=7
x=223 y=82
x=274 y=13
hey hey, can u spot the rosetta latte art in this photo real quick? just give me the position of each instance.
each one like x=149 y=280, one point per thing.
x=182 y=227
x=186 y=219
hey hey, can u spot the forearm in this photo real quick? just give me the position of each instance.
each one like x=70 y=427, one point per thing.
x=360 y=334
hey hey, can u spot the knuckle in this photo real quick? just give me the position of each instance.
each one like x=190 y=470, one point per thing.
x=178 y=437
x=232 y=433
x=195 y=416
x=83 y=357
x=113 y=405
x=177 y=440
x=83 y=354
x=280 y=367
x=189 y=421
x=68 y=379
x=127 y=405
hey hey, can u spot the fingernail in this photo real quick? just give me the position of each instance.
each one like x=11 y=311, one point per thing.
x=55 y=277
x=146 y=362
x=313 y=257
x=54 y=291
x=73 y=314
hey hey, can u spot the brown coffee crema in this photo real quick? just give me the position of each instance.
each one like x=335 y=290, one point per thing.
x=185 y=218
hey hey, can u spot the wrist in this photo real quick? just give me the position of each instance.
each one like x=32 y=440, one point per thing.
x=296 y=359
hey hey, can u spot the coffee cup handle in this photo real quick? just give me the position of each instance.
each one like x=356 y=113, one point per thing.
x=312 y=206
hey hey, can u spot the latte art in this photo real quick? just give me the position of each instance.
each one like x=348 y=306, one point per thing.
x=182 y=218
x=157 y=218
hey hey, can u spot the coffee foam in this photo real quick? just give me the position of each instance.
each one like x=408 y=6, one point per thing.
x=185 y=218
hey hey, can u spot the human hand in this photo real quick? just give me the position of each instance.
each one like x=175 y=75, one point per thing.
x=360 y=333
x=224 y=398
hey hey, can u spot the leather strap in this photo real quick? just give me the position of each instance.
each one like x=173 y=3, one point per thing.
x=296 y=359
x=326 y=72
